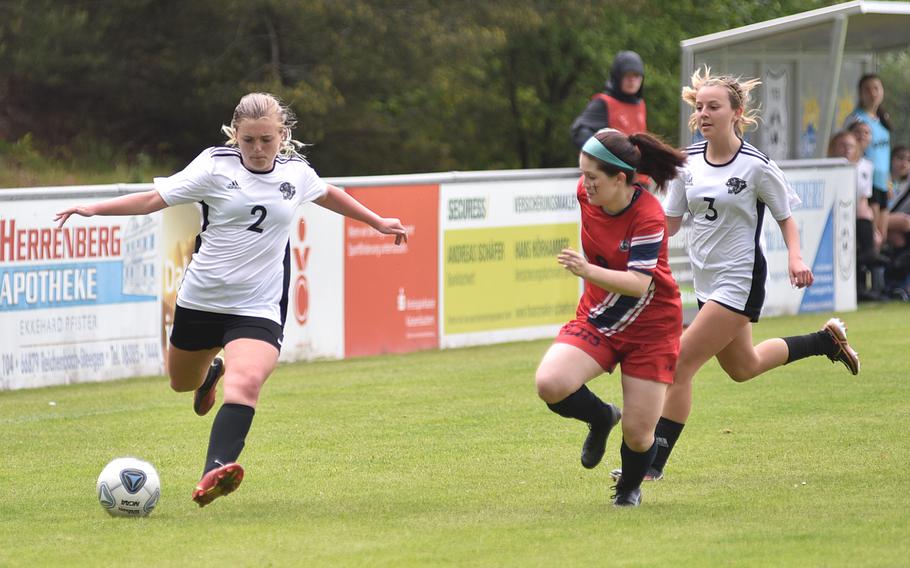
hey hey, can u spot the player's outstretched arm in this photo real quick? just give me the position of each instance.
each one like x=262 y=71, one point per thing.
x=133 y=204
x=335 y=199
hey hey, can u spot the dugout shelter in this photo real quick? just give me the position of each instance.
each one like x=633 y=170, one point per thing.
x=809 y=64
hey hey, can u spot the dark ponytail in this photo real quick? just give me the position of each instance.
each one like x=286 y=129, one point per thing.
x=645 y=153
x=659 y=160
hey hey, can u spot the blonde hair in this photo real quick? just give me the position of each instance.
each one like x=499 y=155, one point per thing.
x=261 y=105
x=738 y=90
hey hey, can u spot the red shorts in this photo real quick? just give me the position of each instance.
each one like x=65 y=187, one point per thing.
x=653 y=361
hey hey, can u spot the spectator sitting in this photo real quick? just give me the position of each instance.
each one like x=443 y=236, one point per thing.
x=899 y=220
x=845 y=144
x=898 y=274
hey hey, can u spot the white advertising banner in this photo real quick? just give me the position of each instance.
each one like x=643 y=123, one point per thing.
x=78 y=303
x=827 y=230
x=315 y=319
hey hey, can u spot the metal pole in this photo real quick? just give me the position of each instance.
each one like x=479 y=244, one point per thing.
x=687 y=67
x=836 y=57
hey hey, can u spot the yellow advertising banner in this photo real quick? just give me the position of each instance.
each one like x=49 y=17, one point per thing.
x=507 y=277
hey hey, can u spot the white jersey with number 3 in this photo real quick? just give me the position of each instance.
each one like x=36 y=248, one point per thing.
x=727 y=205
x=242 y=262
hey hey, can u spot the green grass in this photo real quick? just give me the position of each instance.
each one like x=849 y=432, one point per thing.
x=449 y=459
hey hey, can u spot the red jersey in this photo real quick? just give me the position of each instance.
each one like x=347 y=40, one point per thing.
x=634 y=239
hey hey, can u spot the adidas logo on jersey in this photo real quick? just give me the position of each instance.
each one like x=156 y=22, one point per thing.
x=233 y=185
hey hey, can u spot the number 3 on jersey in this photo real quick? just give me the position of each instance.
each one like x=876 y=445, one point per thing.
x=709 y=216
x=261 y=212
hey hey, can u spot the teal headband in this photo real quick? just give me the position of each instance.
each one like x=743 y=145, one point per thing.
x=596 y=148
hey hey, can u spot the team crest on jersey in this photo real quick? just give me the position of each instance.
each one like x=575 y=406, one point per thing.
x=735 y=185
x=287 y=190
x=624 y=245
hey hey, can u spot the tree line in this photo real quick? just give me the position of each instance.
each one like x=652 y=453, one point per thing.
x=379 y=86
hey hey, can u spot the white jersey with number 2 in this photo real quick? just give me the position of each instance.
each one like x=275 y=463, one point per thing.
x=727 y=204
x=242 y=262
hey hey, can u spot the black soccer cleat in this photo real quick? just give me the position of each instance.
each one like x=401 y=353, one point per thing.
x=837 y=331
x=592 y=451
x=626 y=497
x=204 y=397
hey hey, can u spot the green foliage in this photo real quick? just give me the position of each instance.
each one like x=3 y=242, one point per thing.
x=896 y=80
x=380 y=86
x=448 y=458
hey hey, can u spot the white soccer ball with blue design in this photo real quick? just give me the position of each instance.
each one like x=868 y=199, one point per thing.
x=128 y=487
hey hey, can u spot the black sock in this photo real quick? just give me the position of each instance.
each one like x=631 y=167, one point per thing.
x=816 y=343
x=665 y=436
x=229 y=430
x=582 y=405
x=634 y=465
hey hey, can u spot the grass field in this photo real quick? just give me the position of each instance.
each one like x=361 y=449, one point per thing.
x=449 y=459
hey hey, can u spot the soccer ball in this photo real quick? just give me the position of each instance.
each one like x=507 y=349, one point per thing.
x=128 y=487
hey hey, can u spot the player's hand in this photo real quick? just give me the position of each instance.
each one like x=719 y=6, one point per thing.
x=800 y=274
x=391 y=226
x=573 y=261
x=62 y=216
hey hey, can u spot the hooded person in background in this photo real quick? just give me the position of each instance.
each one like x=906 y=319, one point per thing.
x=620 y=106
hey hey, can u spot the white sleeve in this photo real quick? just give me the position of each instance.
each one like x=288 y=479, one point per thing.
x=312 y=186
x=675 y=203
x=189 y=185
x=775 y=191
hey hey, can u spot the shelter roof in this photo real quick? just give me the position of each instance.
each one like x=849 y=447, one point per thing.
x=871 y=27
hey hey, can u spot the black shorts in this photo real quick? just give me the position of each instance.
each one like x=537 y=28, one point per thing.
x=880 y=197
x=195 y=330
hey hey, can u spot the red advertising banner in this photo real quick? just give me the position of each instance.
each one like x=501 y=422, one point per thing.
x=391 y=293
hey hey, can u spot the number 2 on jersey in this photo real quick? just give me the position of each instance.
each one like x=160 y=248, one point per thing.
x=257 y=210
x=712 y=212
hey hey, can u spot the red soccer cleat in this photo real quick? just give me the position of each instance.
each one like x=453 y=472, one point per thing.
x=204 y=397
x=217 y=483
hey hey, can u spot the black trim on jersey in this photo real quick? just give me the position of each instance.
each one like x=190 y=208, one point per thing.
x=697 y=148
x=730 y=161
x=286 y=282
x=285 y=159
x=270 y=170
x=205 y=224
x=751 y=150
x=225 y=152
x=635 y=196
x=756 y=298
x=756 y=152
